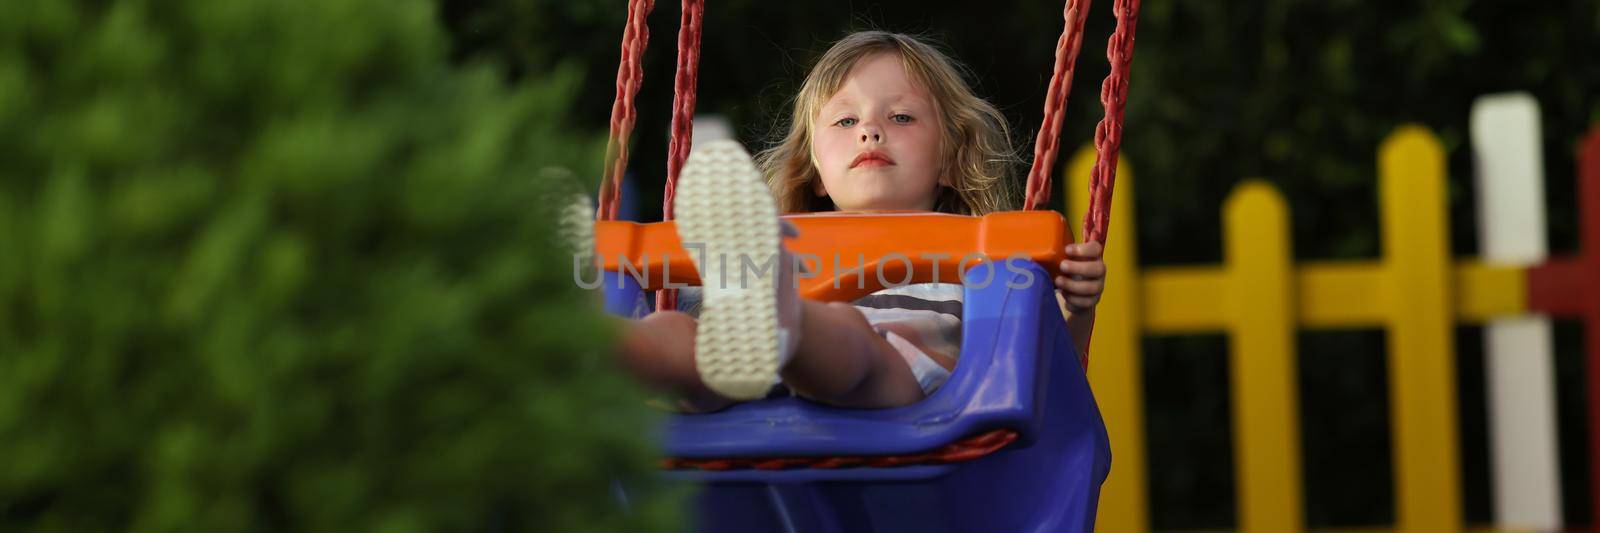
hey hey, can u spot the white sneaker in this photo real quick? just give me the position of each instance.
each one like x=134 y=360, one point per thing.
x=574 y=214
x=749 y=322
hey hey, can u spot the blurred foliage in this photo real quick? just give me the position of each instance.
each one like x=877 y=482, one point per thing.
x=282 y=266
x=1299 y=92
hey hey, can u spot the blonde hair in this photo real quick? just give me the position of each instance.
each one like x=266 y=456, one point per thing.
x=975 y=144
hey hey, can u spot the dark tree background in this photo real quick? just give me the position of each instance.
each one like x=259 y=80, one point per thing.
x=1299 y=92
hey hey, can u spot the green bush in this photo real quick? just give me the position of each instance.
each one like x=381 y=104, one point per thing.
x=280 y=266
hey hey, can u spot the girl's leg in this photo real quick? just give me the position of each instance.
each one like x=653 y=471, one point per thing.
x=841 y=360
x=658 y=350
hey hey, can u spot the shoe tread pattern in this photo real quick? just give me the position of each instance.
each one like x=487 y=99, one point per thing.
x=723 y=204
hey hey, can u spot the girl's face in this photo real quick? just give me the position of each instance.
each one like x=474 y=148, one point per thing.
x=876 y=141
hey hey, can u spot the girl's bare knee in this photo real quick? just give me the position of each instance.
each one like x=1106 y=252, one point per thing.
x=836 y=306
x=849 y=314
x=659 y=348
x=670 y=319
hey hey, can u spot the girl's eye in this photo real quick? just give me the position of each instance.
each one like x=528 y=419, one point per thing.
x=901 y=118
x=845 y=122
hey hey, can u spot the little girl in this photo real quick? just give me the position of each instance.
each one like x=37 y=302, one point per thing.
x=883 y=122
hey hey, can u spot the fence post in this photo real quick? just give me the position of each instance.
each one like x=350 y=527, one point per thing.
x=1115 y=371
x=1570 y=287
x=1589 y=278
x=1416 y=293
x=1262 y=358
x=1506 y=143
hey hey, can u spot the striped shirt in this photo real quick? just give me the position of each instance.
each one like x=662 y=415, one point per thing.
x=932 y=310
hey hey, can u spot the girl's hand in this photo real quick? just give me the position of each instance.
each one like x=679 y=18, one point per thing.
x=1085 y=276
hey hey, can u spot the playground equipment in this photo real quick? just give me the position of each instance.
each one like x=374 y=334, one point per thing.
x=1012 y=442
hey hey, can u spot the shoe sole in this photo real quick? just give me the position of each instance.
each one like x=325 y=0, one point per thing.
x=574 y=214
x=723 y=204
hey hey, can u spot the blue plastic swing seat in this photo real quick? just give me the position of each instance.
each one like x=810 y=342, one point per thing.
x=1018 y=370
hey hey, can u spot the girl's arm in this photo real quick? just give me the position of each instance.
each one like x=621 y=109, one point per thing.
x=1079 y=324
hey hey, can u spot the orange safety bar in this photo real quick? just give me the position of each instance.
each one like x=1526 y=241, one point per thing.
x=850 y=255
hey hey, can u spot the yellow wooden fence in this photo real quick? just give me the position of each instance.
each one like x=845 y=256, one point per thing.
x=1259 y=297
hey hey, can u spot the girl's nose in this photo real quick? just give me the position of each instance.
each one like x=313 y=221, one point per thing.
x=871 y=134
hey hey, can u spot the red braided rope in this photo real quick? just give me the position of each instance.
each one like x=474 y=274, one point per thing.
x=630 y=75
x=963 y=450
x=1045 y=143
x=683 y=99
x=1108 y=134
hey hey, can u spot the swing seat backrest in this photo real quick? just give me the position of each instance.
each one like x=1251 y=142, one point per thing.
x=849 y=255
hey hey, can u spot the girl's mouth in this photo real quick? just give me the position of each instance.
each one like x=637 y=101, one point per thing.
x=871 y=159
